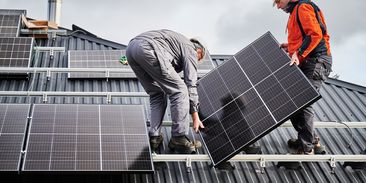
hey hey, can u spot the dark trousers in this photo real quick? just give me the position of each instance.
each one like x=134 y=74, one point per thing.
x=316 y=70
x=160 y=84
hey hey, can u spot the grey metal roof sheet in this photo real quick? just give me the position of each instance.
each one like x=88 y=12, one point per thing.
x=341 y=101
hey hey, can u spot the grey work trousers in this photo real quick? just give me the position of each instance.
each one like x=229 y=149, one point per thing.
x=316 y=70
x=160 y=83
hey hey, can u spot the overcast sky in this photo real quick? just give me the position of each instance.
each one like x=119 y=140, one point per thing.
x=226 y=26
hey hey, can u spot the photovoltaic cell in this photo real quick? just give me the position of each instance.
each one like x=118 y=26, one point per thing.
x=13 y=121
x=84 y=138
x=248 y=96
x=15 y=52
x=9 y=25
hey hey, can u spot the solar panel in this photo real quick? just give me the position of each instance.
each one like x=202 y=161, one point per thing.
x=13 y=121
x=248 y=96
x=98 y=59
x=12 y=12
x=9 y=25
x=84 y=138
x=15 y=52
x=110 y=59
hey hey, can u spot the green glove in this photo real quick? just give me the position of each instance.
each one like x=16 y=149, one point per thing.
x=123 y=60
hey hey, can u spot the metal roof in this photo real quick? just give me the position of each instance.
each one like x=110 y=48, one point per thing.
x=342 y=101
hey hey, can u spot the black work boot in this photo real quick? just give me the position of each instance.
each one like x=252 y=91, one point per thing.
x=183 y=145
x=294 y=143
x=155 y=142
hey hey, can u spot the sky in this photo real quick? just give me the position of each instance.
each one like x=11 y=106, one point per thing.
x=225 y=27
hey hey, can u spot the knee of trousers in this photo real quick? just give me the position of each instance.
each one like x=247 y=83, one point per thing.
x=179 y=96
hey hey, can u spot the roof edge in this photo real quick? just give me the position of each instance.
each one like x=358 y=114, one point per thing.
x=84 y=34
x=345 y=84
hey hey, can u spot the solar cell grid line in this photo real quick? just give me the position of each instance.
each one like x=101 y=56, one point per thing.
x=13 y=122
x=87 y=138
x=248 y=96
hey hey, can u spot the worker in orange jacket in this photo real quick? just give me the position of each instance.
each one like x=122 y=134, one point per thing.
x=309 y=48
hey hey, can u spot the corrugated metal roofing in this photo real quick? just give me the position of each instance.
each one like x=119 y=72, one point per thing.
x=341 y=101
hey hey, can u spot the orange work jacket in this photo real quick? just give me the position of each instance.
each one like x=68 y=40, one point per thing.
x=312 y=30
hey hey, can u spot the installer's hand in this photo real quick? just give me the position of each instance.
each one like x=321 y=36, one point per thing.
x=197 y=123
x=125 y=63
x=294 y=59
x=284 y=46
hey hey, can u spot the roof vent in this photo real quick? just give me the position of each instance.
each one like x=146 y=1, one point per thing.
x=54 y=11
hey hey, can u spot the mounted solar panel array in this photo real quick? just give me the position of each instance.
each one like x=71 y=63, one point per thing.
x=9 y=25
x=16 y=51
x=98 y=59
x=248 y=96
x=87 y=138
x=12 y=12
x=110 y=59
x=13 y=121
x=10 y=21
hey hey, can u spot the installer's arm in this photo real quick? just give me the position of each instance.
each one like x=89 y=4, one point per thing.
x=196 y=122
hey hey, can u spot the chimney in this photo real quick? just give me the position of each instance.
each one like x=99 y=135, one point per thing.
x=54 y=11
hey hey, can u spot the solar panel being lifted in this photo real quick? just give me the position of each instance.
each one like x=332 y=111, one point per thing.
x=248 y=96
x=13 y=121
x=88 y=138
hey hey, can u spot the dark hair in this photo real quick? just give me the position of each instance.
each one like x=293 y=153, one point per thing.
x=197 y=45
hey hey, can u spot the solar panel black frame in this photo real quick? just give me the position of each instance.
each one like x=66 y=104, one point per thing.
x=86 y=138
x=248 y=96
x=97 y=59
x=16 y=51
x=13 y=123
x=10 y=25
